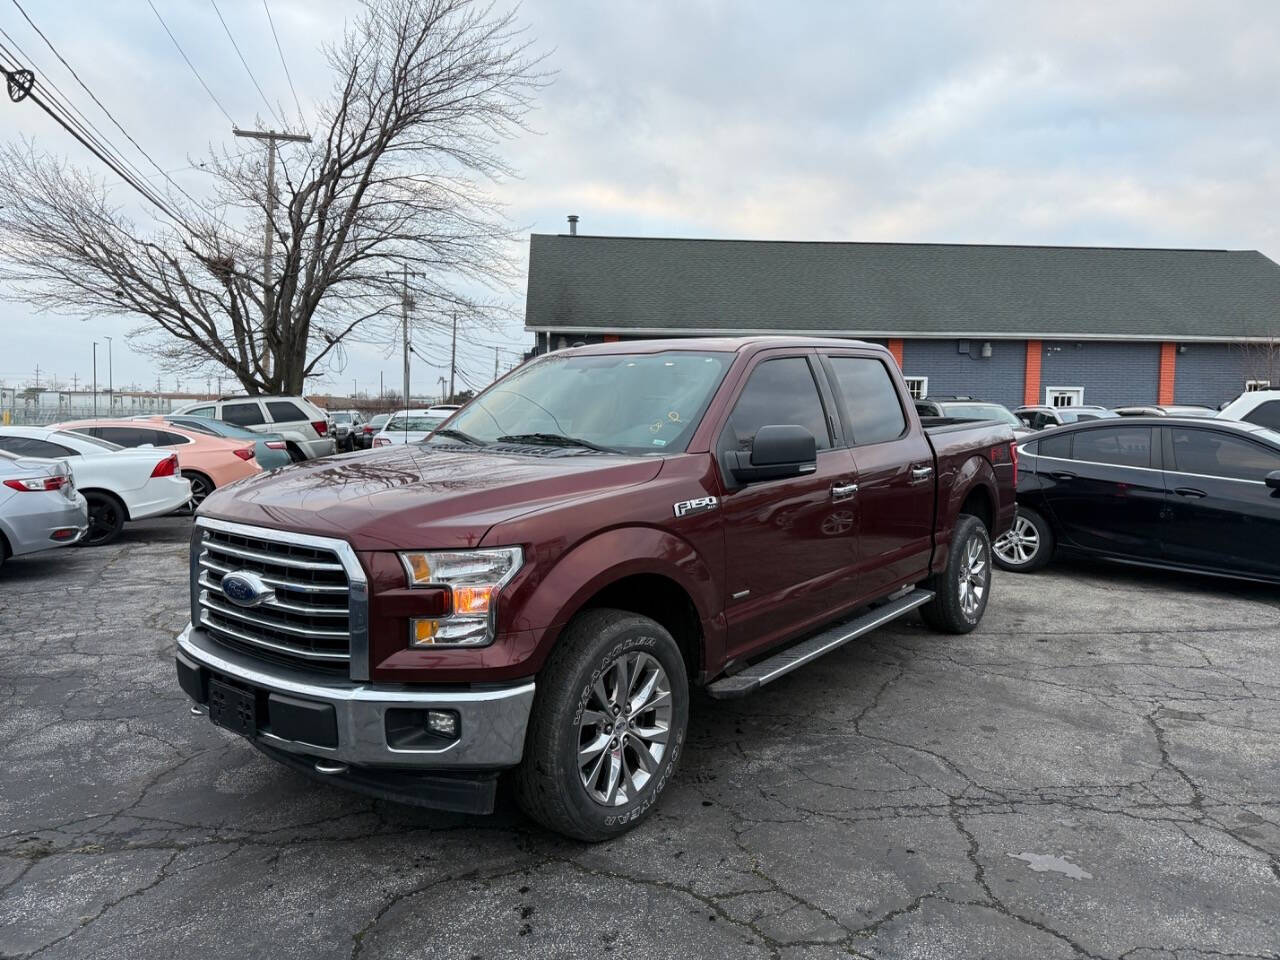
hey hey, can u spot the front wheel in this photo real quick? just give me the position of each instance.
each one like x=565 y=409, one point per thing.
x=1027 y=545
x=964 y=587
x=607 y=726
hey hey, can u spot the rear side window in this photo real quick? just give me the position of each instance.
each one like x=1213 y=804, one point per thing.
x=778 y=392
x=166 y=439
x=200 y=412
x=244 y=414
x=1213 y=454
x=31 y=447
x=868 y=399
x=1057 y=446
x=1265 y=415
x=1117 y=446
x=282 y=411
x=127 y=436
x=195 y=426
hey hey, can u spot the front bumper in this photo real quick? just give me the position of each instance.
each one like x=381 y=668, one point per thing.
x=336 y=719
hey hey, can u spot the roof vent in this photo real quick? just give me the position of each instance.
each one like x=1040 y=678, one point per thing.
x=573 y=224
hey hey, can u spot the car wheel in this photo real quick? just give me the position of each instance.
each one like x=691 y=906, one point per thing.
x=294 y=453
x=1027 y=545
x=201 y=486
x=964 y=587
x=106 y=519
x=607 y=727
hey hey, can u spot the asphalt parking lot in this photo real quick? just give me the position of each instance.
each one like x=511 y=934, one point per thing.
x=1095 y=772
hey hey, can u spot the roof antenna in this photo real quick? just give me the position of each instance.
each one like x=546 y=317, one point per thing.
x=573 y=224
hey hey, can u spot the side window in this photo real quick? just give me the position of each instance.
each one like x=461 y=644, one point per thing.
x=200 y=412
x=282 y=411
x=243 y=414
x=1265 y=415
x=1040 y=420
x=778 y=392
x=1057 y=446
x=1214 y=454
x=868 y=399
x=1117 y=446
x=31 y=447
x=166 y=439
x=126 y=436
x=195 y=426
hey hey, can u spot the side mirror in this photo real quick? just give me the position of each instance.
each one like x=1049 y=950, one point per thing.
x=778 y=451
x=1273 y=480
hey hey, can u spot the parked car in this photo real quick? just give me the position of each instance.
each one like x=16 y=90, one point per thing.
x=1189 y=494
x=303 y=426
x=1166 y=410
x=968 y=409
x=1257 y=406
x=537 y=585
x=364 y=438
x=407 y=426
x=207 y=462
x=269 y=449
x=444 y=409
x=1042 y=417
x=119 y=485
x=347 y=424
x=40 y=507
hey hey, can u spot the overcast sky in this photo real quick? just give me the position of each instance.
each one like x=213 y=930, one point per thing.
x=1112 y=123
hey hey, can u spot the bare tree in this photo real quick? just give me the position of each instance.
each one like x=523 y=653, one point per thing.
x=425 y=92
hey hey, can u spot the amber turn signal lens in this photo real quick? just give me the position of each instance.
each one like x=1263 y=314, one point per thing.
x=424 y=632
x=420 y=566
x=471 y=600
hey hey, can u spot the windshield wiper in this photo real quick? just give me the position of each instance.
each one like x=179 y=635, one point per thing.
x=555 y=440
x=459 y=435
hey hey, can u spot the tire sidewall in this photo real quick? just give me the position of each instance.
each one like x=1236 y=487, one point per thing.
x=1043 y=546
x=108 y=500
x=969 y=528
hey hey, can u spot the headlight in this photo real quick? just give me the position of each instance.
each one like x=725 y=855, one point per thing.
x=473 y=578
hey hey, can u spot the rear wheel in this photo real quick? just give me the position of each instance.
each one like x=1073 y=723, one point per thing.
x=201 y=486
x=1027 y=545
x=294 y=453
x=964 y=587
x=106 y=519
x=607 y=726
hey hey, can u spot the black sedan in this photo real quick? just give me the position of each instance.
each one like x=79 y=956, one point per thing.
x=1201 y=495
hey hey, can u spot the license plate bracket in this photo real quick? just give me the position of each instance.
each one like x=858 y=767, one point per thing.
x=233 y=708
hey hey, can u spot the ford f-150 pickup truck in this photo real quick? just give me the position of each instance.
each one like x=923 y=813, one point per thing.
x=537 y=586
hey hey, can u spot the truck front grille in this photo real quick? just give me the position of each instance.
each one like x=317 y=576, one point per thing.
x=309 y=619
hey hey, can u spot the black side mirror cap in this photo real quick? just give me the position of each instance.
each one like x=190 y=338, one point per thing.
x=777 y=452
x=1273 y=480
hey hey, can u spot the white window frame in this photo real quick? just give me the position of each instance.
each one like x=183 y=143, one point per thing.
x=1253 y=386
x=918 y=387
x=1074 y=396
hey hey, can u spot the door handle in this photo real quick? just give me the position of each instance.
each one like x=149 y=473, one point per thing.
x=1063 y=475
x=1191 y=492
x=920 y=474
x=843 y=491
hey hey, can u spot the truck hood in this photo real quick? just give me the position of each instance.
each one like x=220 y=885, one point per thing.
x=414 y=495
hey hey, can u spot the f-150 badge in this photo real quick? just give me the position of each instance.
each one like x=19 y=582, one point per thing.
x=701 y=505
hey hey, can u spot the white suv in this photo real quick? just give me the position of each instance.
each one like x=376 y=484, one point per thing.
x=304 y=426
x=1256 y=406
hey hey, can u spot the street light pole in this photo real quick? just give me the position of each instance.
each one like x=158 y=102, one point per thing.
x=111 y=380
x=95 y=379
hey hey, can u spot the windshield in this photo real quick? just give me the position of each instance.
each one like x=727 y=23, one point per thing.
x=413 y=424
x=379 y=420
x=981 y=411
x=341 y=417
x=85 y=438
x=638 y=403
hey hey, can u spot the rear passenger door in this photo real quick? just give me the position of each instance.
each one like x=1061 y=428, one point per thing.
x=1104 y=490
x=1221 y=514
x=894 y=473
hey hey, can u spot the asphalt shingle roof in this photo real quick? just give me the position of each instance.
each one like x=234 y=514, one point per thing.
x=589 y=282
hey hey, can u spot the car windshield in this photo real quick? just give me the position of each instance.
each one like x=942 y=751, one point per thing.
x=413 y=424
x=981 y=411
x=379 y=420
x=341 y=418
x=85 y=438
x=632 y=402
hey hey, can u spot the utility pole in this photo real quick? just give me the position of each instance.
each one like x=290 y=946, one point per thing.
x=406 y=302
x=453 y=354
x=111 y=380
x=381 y=392
x=495 y=363
x=95 y=379
x=75 y=382
x=443 y=398
x=37 y=376
x=268 y=298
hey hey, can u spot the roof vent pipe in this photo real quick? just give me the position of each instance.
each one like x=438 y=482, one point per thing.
x=573 y=224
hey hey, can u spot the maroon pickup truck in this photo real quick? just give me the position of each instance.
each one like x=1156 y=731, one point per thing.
x=538 y=585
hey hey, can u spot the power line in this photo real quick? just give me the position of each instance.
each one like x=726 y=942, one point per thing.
x=245 y=62
x=215 y=100
x=280 y=50
x=94 y=97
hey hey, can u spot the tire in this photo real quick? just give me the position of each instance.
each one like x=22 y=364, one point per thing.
x=106 y=519
x=964 y=587
x=201 y=487
x=1027 y=546
x=294 y=453
x=600 y=798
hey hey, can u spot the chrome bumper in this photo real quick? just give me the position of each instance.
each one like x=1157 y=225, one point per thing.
x=492 y=721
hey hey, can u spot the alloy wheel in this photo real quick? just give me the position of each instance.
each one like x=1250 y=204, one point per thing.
x=104 y=519
x=200 y=488
x=1019 y=544
x=974 y=574
x=623 y=729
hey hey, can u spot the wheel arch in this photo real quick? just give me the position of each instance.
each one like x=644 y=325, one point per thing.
x=103 y=491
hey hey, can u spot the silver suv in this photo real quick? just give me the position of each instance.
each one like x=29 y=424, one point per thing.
x=304 y=426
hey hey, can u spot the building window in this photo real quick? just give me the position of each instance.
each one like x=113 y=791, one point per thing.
x=1064 y=396
x=1250 y=386
x=918 y=387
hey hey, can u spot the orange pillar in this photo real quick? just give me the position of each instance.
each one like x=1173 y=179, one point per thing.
x=1168 y=371
x=1031 y=385
x=895 y=348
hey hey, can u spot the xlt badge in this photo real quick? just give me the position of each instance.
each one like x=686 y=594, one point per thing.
x=701 y=505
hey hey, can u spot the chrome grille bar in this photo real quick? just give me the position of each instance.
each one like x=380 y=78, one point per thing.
x=305 y=609
x=298 y=585
x=206 y=621
x=264 y=557
x=208 y=601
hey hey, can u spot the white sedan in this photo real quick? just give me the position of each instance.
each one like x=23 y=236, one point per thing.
x=119 y=484
x=409 y=426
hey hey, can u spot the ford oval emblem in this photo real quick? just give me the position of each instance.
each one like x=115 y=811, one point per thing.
x=246 y=589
